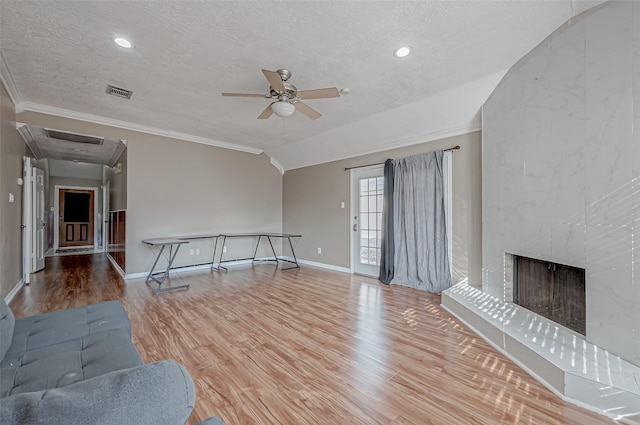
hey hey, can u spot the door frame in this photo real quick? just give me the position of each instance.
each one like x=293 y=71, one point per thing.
x=355 y=210
x=96 y=221
x=27 y=208
x=106 y=189
x=38 y=226
x=447 y=171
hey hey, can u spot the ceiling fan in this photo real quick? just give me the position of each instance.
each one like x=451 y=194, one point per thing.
x=288 y=98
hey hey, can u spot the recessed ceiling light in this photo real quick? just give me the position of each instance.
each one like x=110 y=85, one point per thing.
x=402 y=52
x=122 y=42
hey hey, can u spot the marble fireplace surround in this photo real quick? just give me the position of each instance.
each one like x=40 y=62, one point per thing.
x=561 y=183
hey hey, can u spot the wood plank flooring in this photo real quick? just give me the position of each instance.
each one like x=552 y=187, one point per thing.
x=310 y=346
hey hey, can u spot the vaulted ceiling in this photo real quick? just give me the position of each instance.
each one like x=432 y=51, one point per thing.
x=59 y=56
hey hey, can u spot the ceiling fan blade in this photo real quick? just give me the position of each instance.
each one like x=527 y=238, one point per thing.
x=274 y=79
x=319 y=93
x=307 y=110
x=244 y=95
x=266 y=113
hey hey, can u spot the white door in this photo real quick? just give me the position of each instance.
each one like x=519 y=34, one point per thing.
x=26 y=220
x=367 y=188
x=39 y=222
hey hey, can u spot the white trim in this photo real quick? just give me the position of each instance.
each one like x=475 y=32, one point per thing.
x=27 y=210
x=181 y=269
x=319 y=265
x=207 y=266
x=116 y=266
x=276 y=164
x=354 y=193
x=9 y=83
x=106 y=217
x=96 y=214
x=14 y=291
x=81 y=116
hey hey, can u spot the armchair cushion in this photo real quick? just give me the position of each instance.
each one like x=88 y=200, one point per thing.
x=63 y=364
x=7 y=323
x=39 y=331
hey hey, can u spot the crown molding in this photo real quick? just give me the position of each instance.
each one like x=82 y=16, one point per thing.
x=7 y=80
x=276 y=164
x=95 y=119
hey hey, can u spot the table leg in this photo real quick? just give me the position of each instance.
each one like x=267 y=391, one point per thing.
x=151 y=273
x=275 y=257
x=165 y=274
x=219 y=266
x=295 y=260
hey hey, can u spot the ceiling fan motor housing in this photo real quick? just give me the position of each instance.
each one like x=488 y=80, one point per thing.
x=291 y=92
x=288 y=99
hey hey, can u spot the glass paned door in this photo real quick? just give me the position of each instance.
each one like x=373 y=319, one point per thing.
x=367 y=193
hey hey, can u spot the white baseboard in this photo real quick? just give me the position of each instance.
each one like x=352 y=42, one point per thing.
x=116 y=266
x=178 y=270
x=320 y=265
x=14 y=291
x=207 y=266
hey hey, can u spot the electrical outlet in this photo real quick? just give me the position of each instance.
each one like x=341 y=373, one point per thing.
x=319 y=250
x=191 y=252
x=224 y=249
x=197 y=251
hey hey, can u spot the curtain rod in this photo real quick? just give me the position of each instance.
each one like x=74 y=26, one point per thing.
x=455 y=148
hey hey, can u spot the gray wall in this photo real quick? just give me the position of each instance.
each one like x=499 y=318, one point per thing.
x=561 y=167
x=12 y=149
x=312 y=197
x=176 y=187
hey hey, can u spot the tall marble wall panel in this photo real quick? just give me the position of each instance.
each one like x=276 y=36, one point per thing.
x=561 y=167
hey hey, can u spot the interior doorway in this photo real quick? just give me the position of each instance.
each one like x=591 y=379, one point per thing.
x=76 y=209
x=33 y=219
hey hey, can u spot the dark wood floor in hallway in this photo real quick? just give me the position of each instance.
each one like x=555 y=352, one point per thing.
x=310 y=346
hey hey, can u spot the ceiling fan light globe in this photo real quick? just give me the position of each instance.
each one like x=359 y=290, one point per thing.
x=283 y=108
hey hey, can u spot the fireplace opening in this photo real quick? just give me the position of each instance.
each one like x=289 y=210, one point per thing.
x=552 y=290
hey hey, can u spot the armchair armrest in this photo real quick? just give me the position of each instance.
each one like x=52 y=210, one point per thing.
x=156 y=393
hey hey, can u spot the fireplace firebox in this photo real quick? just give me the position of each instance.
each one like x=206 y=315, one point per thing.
x=552 y=290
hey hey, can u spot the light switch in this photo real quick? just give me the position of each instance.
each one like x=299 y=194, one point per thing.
x=19 y=181
x=342 y=205
x=11 y=198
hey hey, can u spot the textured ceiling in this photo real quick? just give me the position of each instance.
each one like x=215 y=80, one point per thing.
x=42 y=146
x=61 y=54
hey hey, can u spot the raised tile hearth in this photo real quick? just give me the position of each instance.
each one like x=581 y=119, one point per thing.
x=562 y=360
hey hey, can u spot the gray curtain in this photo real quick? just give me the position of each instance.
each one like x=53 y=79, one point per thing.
x=387 y=246
x=419 y=226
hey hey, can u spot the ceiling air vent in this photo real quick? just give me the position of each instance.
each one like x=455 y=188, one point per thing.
x=118 y=91
x=73 y=137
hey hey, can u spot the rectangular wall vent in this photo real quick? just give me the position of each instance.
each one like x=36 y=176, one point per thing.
x=119 y=91
x=73 y=137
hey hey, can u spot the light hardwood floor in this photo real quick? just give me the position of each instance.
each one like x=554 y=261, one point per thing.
x=310 y=346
